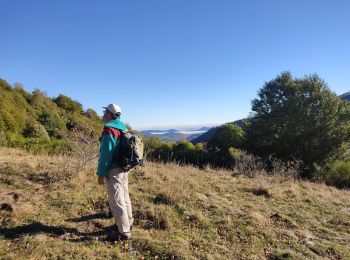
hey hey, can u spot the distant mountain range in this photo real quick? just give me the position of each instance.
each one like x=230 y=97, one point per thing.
x=203 y=138
x=201 y=135
x=345 y=96
x=174 y=135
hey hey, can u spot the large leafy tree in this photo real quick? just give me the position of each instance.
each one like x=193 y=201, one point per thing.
x=226 y=136
x=68 y=104
x=298 y=119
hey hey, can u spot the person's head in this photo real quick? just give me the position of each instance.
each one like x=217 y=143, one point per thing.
x=111 y=112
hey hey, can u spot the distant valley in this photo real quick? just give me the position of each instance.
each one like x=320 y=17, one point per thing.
x=175 y=135
x=200 y=135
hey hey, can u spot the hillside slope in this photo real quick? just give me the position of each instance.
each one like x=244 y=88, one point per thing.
x=204 y=138
x=35 y=117
x=180 y=212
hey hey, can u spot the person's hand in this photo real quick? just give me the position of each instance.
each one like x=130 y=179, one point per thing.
x=101 y=180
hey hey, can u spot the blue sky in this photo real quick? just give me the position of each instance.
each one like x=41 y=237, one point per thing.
x=178 y=62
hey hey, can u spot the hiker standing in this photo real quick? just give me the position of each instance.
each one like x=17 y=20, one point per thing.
x=111 y=174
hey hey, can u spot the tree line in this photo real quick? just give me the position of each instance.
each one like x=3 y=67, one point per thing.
x=292 y=120
x=39 y=123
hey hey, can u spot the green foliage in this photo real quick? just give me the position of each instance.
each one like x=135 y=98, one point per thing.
x=2 y=125
x=8 y=121
x=184 y=151
x=226 y=136
x=68 y=104
x=199 y=147
x=152 y=143
x=4 y=85
x=38 y=145
x=157 y=150
x=33 y=129
x=52 y=123
x=339 y=174
x=37 y=100
x=29 y=120
x=91 y=114
x=297 y=119
x=19 y=90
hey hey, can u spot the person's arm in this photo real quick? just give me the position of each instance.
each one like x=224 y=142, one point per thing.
x=107 y=145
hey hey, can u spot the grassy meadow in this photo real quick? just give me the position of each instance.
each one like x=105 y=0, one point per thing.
x=181 y=212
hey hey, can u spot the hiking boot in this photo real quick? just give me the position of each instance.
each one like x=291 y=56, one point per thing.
x=124 y=237
x=115 y=235
x=109 y=213
x=118 y=237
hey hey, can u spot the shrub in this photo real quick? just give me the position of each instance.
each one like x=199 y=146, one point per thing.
x=4 y=85
x=9 y=121
x=3 y=139
x=68 y=104
x=52 y=123
x=339 y=174
x=226 y=136
x=2 y=125
x=35 y=130
x=91 y=114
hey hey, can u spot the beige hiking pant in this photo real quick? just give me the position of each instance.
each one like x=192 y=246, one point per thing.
x=119 y=200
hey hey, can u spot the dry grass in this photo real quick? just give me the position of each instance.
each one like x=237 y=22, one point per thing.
x=180 y=212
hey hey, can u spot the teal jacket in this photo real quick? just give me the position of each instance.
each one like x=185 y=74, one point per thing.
x=109 y=144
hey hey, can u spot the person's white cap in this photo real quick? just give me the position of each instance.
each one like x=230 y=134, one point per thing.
x=113 y=108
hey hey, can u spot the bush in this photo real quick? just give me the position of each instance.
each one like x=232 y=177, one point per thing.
x=53 y=124
x=37 y=145
x=3 y=139
x=226 y=136
x=155 y=149
x=35 y=130
x=2 y=125
x=91 y=114
x=68 y=104
x=9 y=121
x=4 y=85
x=339 y=174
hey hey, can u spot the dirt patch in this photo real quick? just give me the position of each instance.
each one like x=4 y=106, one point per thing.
x=261 y=192
x=162 y=199
x=283 y=221
x=46 y=177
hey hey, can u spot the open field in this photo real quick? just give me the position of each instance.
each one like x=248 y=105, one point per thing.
x=47 y=211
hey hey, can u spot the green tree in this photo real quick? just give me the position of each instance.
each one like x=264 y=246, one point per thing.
x=2 y=125
x=53 y=124
x=4 y=85
x=338 y=174
x=9 y=121
x=226 y=136
x=297 y=119
x=68 y=104
x=91 y=114
x=36 y=130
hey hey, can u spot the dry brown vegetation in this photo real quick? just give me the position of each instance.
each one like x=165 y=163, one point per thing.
x=49 y=211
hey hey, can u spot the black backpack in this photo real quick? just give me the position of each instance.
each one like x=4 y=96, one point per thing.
x=130 y=151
